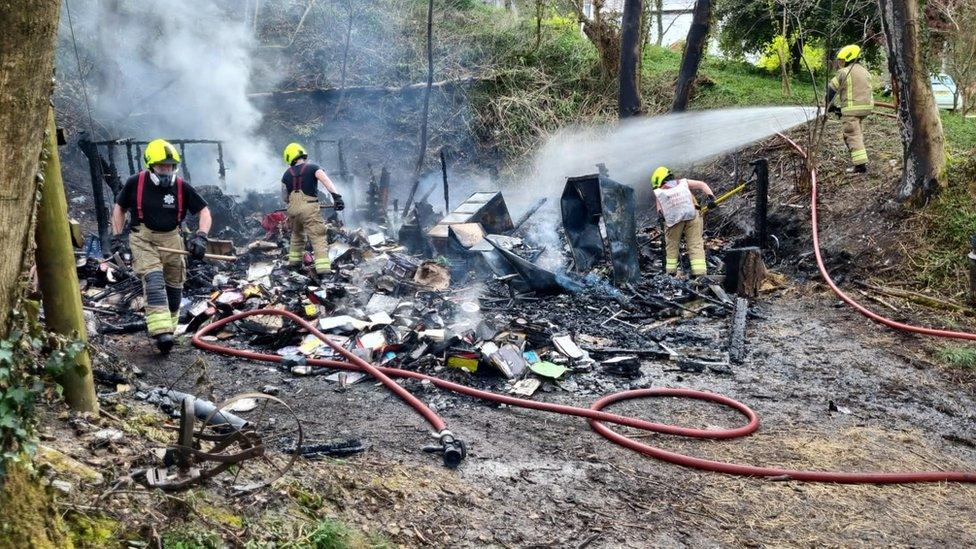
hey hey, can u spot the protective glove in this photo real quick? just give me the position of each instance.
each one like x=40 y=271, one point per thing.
x=118 y=244
x=710 y=203
x=834 y=109
x=197 y=245
x=337 y=201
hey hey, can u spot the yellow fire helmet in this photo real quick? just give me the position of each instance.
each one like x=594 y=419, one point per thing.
x=659 y=176
x=849 y=53
x=293 y=152
x=160 y=151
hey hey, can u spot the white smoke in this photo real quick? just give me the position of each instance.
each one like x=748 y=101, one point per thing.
x=175 y=69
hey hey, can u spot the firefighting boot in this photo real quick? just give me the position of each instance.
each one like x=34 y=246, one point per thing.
x=164 y=342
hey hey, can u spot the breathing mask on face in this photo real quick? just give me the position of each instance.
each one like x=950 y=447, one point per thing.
x=163 y=179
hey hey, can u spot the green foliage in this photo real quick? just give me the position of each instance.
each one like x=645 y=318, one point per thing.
x=330 y=534
x=948 y=223
x=960 y=132
x=722 y=82
x=958 y=357
x=748 y=26
x=191 y=539
x=29 y=358
x=813 y=55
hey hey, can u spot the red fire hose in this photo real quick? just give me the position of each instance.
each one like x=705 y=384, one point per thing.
x=846 y=298
x=453 y=450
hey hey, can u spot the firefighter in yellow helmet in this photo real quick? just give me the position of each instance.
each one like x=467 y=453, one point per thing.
x=159 y=200
x=850 y=96
x=678 y=208
x=301 y=181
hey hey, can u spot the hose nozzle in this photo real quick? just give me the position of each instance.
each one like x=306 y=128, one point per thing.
x=452 y=449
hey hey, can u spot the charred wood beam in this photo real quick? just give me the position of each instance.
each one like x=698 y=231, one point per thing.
x=97 y=173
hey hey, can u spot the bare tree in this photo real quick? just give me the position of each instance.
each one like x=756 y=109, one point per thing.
x=630 y=48
x=694 y=50
x=923 y=172
x=659 y=19
x=604 y=32
x=430 y=82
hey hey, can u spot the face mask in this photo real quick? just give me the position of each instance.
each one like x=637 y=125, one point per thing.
x=163 y=180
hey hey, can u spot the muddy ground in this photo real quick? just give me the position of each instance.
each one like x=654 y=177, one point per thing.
x=540 y=480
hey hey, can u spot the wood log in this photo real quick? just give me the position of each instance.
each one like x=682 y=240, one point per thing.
x=744 y=271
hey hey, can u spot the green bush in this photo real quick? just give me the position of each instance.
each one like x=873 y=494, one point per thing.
x=813 y=55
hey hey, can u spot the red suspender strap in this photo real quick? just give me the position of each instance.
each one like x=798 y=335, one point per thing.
x=139 y=186
x=179 y=199
x=296 y=180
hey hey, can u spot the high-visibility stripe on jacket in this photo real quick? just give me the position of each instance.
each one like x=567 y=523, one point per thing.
x=854 y=94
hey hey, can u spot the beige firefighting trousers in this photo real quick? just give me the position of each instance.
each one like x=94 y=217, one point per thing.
x=305 y=219
x=854 y=138
x=692 y=231
x=162 y=274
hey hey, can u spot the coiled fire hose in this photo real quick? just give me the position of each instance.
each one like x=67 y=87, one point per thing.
x=453 y=449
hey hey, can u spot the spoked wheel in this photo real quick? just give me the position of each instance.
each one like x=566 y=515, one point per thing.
x=256 y=452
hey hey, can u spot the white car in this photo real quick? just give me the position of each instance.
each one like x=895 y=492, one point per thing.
x=944 y=90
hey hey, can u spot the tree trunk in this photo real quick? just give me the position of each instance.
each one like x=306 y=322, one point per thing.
x=659 y=19
x=58 y=279
x=923 y=168
x=605 y=36
x=26 y=64
x=694 y=50
x=430 y=82
x=629 y=96
x=27 y=43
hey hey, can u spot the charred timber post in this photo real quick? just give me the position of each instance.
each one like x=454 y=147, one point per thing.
x=58 y=280
x=744 y=271
x=221 y=169
x=447 y=200
x=128 y=157
x=761 y=171
x=113 y=167
x=97 y=178
x=186 y=170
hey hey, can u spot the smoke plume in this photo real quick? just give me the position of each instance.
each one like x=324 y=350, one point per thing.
x=175 y=69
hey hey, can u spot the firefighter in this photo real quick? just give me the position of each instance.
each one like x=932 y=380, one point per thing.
x=849 y=95
x=679 y=211
x=159 y=199
x=301 y=181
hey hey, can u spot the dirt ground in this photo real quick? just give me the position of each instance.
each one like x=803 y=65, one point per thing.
x=540 y=480
x=834 y=392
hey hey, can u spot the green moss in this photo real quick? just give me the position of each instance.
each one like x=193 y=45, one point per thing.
x=221 y=515
x=27 y=518
x=94 y=531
